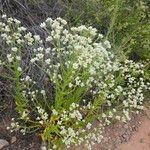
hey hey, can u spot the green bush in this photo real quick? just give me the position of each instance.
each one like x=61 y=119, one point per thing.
x=126 y=23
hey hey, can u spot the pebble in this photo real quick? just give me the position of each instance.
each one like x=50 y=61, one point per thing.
x=13 y=139
x=126 y=126
x=105 y=139
x=141 y=140
x=3 y=143
x=125 y=137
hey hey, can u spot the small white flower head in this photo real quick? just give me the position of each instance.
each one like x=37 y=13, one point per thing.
x=88 y=126
x=75 y=66
x=41 y=122
x=33 y=60
x=14 y=49
x=8 y=128
x=43 y=147
x=47 y=50
x=18 y=58
x=49 y=20
x=43 y=92
x=25 y=115
x=27 y=78
x=70 y=85
x=104 y=115
x=23 y=131
x=17 y=21
x=54 y=147
x=19 y=69
x=43 y=25
x=4 y=16
x=54 y=112
x=49 y=39
x=19 y=41
x=48 y=61
x=10 y=58
x=100 y=36
x=22 y=29
x=92 y=71
x=107 y=44
x=37 y=37
x=64 y=22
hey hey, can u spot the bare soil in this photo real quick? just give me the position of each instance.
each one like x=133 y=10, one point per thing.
x=134 y=135
x=141 y=139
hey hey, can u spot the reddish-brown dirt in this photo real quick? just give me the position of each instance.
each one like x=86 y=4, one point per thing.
x=140 y=139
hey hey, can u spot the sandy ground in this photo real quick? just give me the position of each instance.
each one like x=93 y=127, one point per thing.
x=140 y=140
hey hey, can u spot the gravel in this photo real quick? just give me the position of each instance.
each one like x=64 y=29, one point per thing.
x=3 y=143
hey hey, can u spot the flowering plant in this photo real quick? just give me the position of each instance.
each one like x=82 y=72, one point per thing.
x=87 y=81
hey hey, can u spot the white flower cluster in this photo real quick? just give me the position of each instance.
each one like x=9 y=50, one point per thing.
x=14 y=126
x=68 y=119
x=81 y=68
x=43 y=116
x=24 y=115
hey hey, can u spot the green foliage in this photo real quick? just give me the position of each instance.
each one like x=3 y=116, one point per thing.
x=126 y=23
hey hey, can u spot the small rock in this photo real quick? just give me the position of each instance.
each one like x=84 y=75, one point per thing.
x=118 y=142
x=125 y=137
x=105 y=139
x=140 y=122
x=3 y=143
x=141 y=140
x=130 y=129
x=135 y=128
x=126 y=126
x=13 y=139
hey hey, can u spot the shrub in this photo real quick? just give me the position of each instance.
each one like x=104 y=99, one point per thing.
x=125 y=23
x=87 y=82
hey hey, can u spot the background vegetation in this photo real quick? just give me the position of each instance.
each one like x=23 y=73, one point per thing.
x=125 y=23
